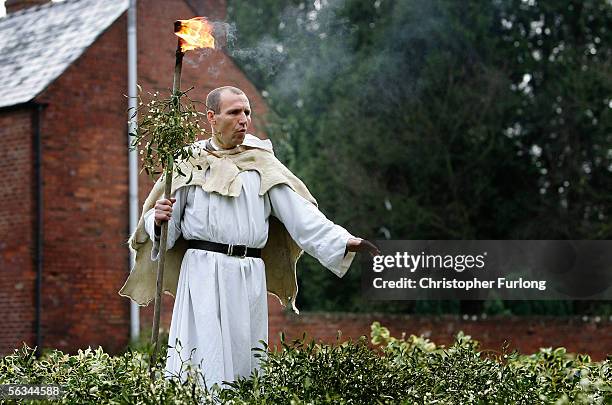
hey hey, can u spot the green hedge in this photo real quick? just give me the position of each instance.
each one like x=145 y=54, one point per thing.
x=388 y=370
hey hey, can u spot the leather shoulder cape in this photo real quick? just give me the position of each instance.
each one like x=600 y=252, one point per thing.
x=280 y=254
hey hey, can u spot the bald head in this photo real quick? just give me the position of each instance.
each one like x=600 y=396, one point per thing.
x=213 y=100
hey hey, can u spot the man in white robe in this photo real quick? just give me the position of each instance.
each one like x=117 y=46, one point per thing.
x=220 y=310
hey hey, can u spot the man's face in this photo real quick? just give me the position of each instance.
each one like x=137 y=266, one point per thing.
x=231 y=123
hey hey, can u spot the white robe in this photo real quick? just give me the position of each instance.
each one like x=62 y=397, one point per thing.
x=220 y=309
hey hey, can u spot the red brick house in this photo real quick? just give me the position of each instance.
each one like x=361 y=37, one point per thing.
x=63 y=127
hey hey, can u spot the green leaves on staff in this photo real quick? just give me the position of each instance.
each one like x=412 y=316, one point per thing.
x=166 y=129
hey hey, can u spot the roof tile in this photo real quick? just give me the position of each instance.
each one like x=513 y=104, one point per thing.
x=38 y=44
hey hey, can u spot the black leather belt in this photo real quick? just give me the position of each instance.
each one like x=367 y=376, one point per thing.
x=230 y=250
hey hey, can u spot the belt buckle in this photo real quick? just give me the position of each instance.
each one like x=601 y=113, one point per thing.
x=230 y=251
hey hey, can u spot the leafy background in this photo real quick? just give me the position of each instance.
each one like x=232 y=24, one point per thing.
x=438 y=119
x=385 y=370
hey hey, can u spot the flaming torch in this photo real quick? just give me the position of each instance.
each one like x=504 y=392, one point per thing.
x=194 y=33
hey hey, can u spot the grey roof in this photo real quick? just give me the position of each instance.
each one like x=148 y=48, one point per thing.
x=38 y=44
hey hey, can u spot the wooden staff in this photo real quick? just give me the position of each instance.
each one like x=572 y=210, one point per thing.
x=176 y=88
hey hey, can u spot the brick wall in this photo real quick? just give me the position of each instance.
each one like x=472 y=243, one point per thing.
x=592 y=336
x=525 y=334
x=17 y=284
x=85 y=198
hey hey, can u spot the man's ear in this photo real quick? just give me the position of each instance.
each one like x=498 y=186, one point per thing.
x=210 y=114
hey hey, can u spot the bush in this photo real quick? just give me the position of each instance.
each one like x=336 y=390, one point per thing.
x=386 y=370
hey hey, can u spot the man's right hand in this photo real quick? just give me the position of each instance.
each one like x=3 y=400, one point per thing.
x=163 y=210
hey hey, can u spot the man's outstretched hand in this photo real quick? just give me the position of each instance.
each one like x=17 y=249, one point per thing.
x=362 y=245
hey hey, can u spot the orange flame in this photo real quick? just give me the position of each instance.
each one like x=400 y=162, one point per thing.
x=194 y=33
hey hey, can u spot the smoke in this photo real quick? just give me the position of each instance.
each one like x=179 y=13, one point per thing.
x=310 y=43
x=329 y=42
x=358 y=50
x=225 y=36
x=268 y=56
